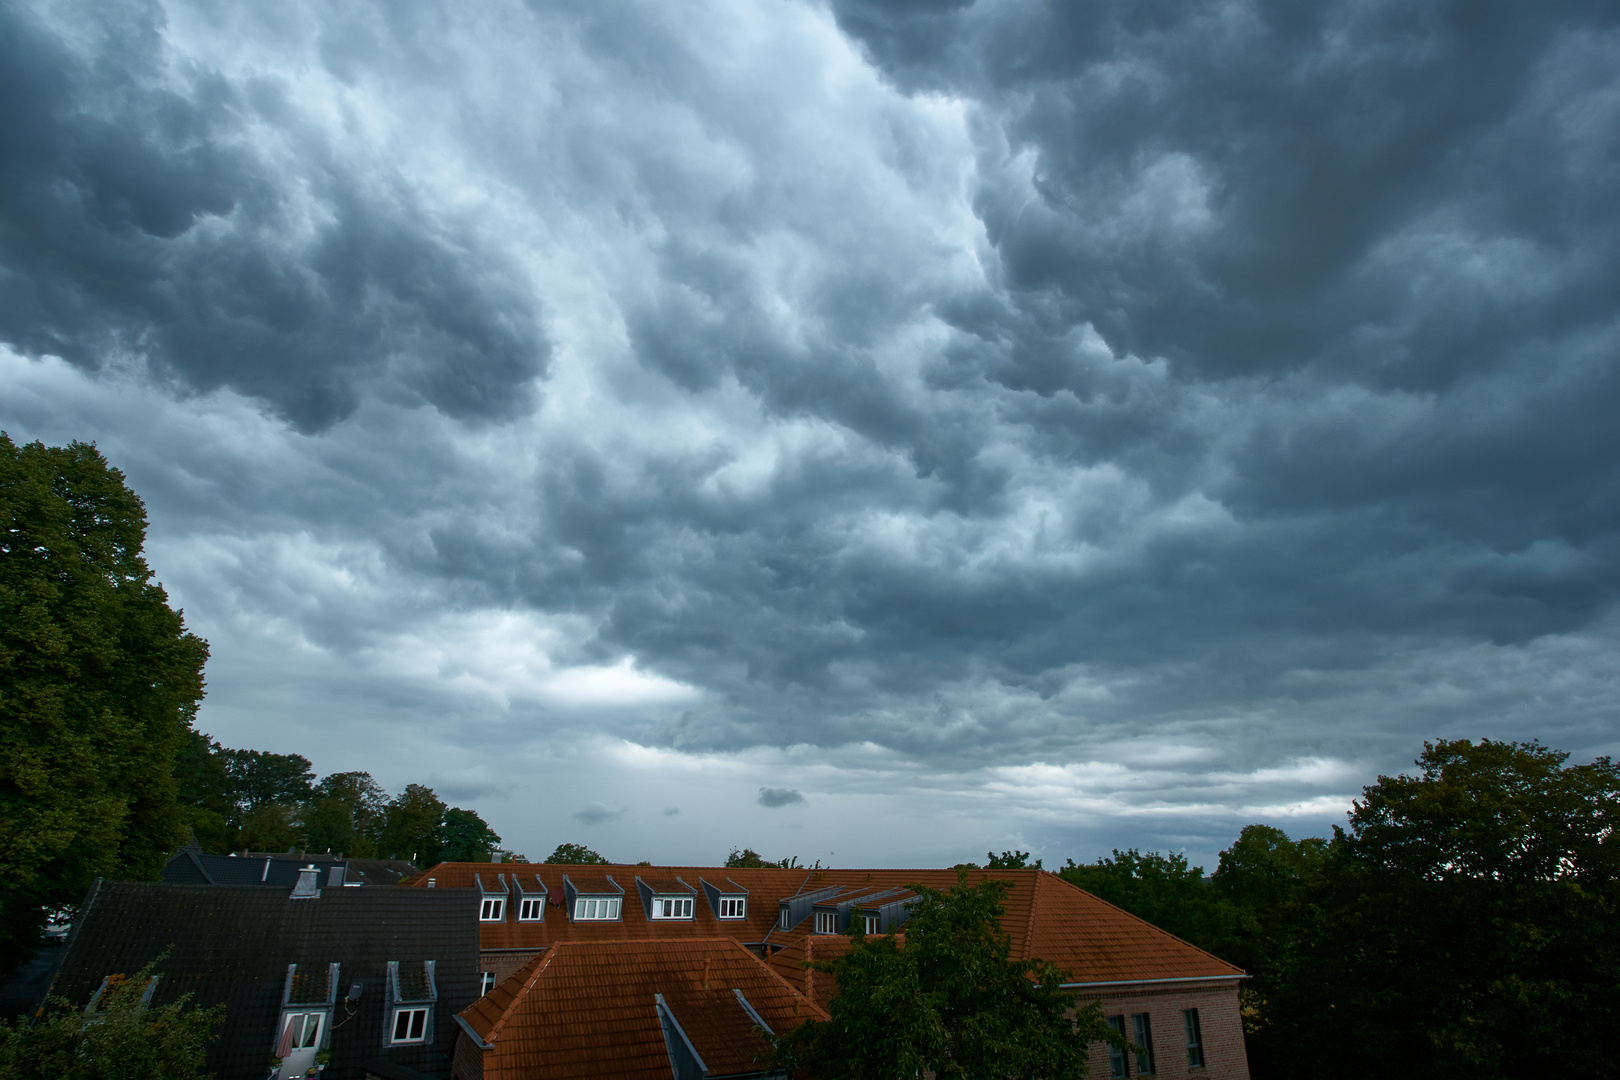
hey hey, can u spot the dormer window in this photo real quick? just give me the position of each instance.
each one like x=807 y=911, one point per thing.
x=826 y=922
x=734 y=907
x=531 y=909
x=493 y=909
x=586 y=909
x=410 y=1025
x=782 y=920
x=871 y=924
x=672 y=907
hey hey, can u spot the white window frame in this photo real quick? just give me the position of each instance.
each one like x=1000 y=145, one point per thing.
x=826 y=922
x=782 y=919
x=733 y=907
x=596 y=909
x=672 y=907
x=415 y=1018
x=872 y=922
x=532 y=909
x=306 y=1038
x=493 y=909
x=488 y=982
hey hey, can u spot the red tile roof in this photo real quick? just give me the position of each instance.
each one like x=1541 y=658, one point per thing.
x=1046 y=917
x=588 y=1009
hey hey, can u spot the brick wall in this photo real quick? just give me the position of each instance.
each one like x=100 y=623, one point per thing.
x=504 y=963
x=1218 y=1017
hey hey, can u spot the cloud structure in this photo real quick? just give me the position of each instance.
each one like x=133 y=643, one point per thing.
x=1022 y=424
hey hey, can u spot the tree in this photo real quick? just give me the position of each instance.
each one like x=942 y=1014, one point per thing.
x=748 y=858
x=99 y=682
x=1010 y=860
x=345 y=810
x=464 y=837
x=1467 y=923
x=122 y=1040
x=261 y=778
x=948 y=1000
x=1160 y=888
x=205 y=792
x=409 y=828
x=576 y=853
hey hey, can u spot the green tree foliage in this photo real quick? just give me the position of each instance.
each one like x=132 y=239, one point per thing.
x=948 y=1000
x=1010 y=860
x=345 y=813
x=747 y=858
x=261 y=778
x=99 y=682
x=465 y=837
x=1467 y=923
x=206 y=793
x=410 y=826
x=123 y=1040
x=1162 y=889
x=576 y=853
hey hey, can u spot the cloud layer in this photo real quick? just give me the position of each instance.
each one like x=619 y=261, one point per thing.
x=1041 y=426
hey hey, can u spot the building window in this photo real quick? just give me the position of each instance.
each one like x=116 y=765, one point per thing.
x=410 y=1025
x=596 y=909
x=672 y=907
x=1118 y=1065
x=733 y=907
x=826 y=922
x=489 y=982
x=492 y=911
x=1142 y=1036
x=1195 y=1039
x=302 y=1031
x=531 y=909
x=782 y=920
x=872 y=922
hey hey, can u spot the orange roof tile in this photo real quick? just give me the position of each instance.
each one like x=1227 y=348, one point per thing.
x=588 y=1009
x=1046 y=917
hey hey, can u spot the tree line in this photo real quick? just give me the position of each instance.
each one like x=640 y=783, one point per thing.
x=259 y=801
x=1464 y=922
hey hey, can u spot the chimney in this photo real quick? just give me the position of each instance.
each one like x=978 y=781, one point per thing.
x=494 y=856
x=308 y=884
x=334 y=876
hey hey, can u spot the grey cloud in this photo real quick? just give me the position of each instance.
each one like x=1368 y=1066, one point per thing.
x=597 y=814
x=671 y=811
x=774 y=798
x=138 y=218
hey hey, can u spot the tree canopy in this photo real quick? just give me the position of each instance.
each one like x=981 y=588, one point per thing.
x=99 y=682
x=947 y=999
x=122 y=1040
x=575 y=853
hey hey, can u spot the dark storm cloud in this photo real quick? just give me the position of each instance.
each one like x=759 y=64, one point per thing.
x=774 y=798
x=1179 y=389
x=140 y=217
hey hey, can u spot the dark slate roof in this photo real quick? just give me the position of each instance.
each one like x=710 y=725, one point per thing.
x=233 y=945
x=191 y=867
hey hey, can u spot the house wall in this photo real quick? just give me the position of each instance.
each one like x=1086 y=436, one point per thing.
x=468 y=1063
x=505 y=963
x=1225 y=1057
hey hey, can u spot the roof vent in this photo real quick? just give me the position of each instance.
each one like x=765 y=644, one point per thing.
x=308 y=884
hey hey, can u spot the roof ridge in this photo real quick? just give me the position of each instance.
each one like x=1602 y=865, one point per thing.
x=1029 y=925
x=772 y=972
x=544 y=961
x=1155 y=929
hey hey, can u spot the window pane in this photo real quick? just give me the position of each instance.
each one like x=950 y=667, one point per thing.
x=613 y=910
x=579 y=909
x=418 y=1022
x=402 y=1025
x=590 y=909
x=312 y=1029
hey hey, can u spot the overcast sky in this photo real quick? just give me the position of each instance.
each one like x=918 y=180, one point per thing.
x=874 y=432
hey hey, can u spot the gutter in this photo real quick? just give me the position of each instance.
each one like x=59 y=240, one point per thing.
x=473 y=1035
x=1146 y=982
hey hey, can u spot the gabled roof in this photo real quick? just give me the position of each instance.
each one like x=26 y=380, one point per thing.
x=234 y=945
x=588 y=1009
x=1046 y=917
